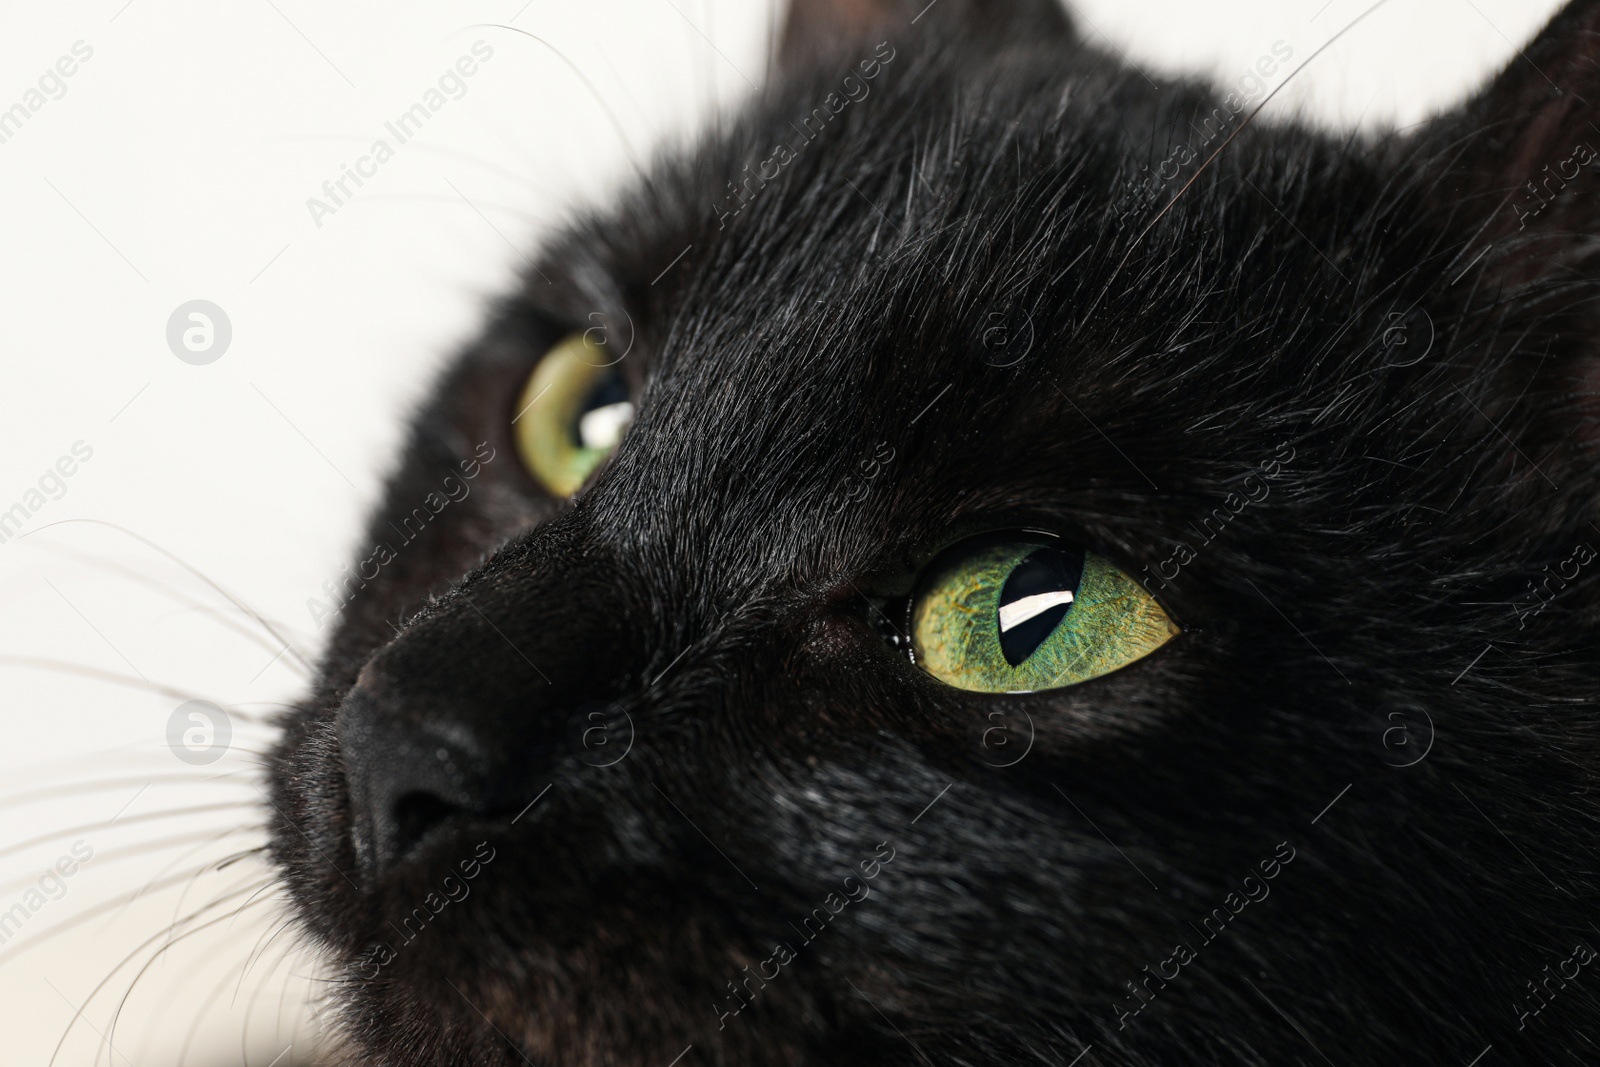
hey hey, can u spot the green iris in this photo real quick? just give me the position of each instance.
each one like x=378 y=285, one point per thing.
x=1016 y=616
x=572 y=414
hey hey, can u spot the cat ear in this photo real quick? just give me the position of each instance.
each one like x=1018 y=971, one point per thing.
x=1522 y=144
x=1515 y=175
x=816 y=28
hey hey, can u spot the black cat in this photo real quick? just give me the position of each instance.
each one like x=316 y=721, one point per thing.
x=978 y=565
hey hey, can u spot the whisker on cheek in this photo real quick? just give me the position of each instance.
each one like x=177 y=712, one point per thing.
x=107 y=857
x=170 y=944
x=143 y=817
x=250 y=612
x=224 y=617
x=104 y=785
x=111 y=677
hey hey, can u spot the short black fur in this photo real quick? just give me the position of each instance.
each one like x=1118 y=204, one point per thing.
x=1159 y=363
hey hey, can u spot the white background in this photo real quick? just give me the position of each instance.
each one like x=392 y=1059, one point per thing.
x=177 y=166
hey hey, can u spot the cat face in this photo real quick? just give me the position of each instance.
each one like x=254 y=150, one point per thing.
x=686 y=763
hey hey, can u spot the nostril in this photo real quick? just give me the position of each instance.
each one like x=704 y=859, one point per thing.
x=408 y=777
x=415 y=814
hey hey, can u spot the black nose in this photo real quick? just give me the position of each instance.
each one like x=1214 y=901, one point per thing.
x=451 y=725
x=407 y=776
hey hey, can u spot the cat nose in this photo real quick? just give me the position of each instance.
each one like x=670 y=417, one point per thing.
x=451 y=724
x=407 y=776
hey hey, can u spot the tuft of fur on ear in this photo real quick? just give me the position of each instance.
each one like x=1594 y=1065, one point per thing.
x=817 y=28
x=1528 y=145
x=1516 y=175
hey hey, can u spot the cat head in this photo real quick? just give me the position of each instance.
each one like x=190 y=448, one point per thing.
x=670 y=709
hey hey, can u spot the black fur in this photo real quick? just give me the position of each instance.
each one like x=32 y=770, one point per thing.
x=708 y=584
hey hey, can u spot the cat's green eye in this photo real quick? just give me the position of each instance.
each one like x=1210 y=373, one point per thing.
x=1019 y=615
x=572 y=413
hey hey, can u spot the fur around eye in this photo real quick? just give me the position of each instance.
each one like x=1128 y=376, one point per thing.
x=571 y=415
x=1018 y=615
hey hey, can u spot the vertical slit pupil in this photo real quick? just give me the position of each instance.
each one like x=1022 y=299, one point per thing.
x=1043 y=572
x=610 y=390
